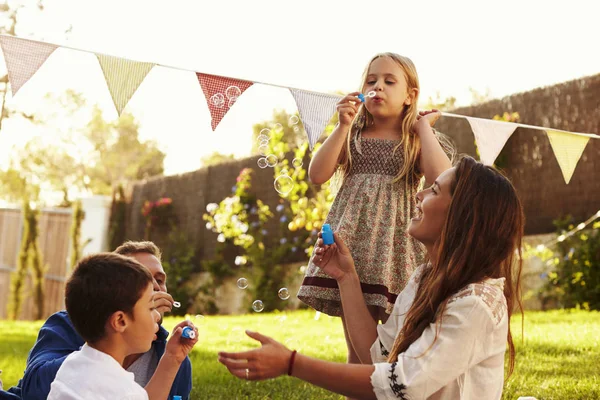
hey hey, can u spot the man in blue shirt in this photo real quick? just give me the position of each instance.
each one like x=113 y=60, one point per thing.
x=58 y=338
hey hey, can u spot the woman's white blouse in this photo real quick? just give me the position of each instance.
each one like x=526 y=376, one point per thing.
x=467 y=359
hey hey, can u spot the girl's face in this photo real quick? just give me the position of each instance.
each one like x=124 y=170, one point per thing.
x=432 y=209
x=386 y=78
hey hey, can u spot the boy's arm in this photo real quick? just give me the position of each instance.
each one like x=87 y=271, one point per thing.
x=182 y=386
x=56 y=340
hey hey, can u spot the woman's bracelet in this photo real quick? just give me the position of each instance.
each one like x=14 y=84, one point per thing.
x=291 y=363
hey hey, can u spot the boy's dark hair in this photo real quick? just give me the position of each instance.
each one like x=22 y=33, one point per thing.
x=130 y=247
x=100 y=285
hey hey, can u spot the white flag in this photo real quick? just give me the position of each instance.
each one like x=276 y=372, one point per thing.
x=491 y=136
x=23 y=58
x=316 y=110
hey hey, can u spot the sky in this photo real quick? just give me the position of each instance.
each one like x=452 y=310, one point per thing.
x=503 y=47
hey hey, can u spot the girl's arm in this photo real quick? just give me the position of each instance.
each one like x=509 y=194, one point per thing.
x=336 y=261
x=325 y=161
x=433 y=160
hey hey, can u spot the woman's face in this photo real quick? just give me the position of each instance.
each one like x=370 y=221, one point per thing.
x=432 y=208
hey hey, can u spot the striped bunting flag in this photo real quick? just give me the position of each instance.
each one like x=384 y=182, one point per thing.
x=568 y=150
x=23 y=58
x=316 y=110
x=123 y=77
x=221 y=94
x=490 y=136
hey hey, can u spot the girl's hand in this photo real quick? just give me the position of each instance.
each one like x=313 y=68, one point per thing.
x=335 y=260
x=430 y=116
x=179 y=347
x=347 y=108
x=269 y=361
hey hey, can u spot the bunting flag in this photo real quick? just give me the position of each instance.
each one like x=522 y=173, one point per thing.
x=316 y=110
x=221 y=94
x=490 y=136
x=567 y=149
x=123 y=77
x=23 y=58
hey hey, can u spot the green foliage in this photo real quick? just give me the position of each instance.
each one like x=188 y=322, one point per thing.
x=575 y=278
x=118 y=215
x=178 y=262
x=216 y=158
x=76 y=245
x=29 y=258
x=439 y=103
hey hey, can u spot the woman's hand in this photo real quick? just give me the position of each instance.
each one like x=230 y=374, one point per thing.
x=271 y=360
x=335 y=260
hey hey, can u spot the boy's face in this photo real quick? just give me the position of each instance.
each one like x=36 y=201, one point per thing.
x=141 y=329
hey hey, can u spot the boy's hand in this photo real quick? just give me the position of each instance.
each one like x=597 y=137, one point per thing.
x=179 y=347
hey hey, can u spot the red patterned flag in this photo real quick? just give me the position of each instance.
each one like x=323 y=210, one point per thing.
x=221 y=94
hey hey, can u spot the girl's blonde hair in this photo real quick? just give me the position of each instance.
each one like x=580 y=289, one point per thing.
x=410 y=143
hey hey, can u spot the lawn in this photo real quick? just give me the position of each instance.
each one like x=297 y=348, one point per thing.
x=559 y=358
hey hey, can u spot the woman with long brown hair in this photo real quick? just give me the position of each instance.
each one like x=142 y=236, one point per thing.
x=447 y=335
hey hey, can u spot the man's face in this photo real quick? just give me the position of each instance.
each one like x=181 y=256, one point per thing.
x=163 y=301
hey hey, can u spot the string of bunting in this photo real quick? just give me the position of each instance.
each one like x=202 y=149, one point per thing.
x=564 y=236
x=24 y=57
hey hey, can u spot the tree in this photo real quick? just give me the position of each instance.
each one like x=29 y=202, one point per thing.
x=216 y=158
x=438 y=103
x=94 y=155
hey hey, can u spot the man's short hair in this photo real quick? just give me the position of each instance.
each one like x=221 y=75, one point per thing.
x=101 y=285
x=130 y=247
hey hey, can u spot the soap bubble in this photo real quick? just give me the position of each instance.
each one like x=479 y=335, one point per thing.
x=278 y=126
x=262 y=138
x=262 y=162
x=217 y=100
x=231 y=102
x=176 y=304
x=297 y=162
x=283 y=184
x=266 y=132
x=284 y=171
x=199 y=318
x=284 y=294
x=271 y=160
x=372 y=93
x=294 y=120
x=258 y=305
x=242 y=283
x=233 y=92
x=263 y=149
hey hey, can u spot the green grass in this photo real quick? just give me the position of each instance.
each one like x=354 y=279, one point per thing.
x=559 y=358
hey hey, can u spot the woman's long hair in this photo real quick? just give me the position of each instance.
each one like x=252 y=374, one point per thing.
x=481 y=238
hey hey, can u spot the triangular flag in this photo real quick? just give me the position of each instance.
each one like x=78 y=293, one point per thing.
x=491 y=136
x=568 y=149
x=123 y=77
x=221 y=94
x=316 y=110
x=23 y=58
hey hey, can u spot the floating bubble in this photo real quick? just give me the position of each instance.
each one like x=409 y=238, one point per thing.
x=283 y=293
x=296 y=129
x=372 y=93
x=262 y=162
x=258 y=305
x=242 y=283
x=199 y=318
x=231 y=102
x=217 y=100
x=294 y=120
x=278 y=126
x=263 y=143
x=262 y=137
x=283 y=184
x=266 y=132
x=233 y=91
x=271 y=160
x=176 y=304
x=284 y=171
x=263 y=149
x=297 y=162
